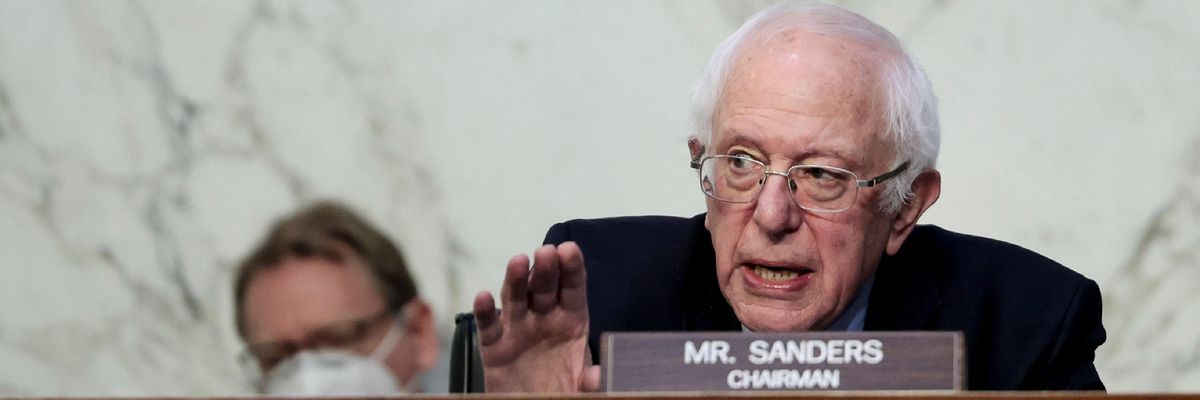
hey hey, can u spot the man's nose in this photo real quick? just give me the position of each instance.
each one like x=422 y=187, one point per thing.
x=776 y=212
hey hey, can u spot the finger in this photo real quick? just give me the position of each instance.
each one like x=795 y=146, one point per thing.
x=543 y=284
x=573 y=282
x=514 y=294
x=590 y=381
x=487 y=319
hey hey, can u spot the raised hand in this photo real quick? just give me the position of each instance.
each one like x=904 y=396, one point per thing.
x=539 y=343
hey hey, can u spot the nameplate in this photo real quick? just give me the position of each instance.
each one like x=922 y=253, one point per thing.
x=743 y=361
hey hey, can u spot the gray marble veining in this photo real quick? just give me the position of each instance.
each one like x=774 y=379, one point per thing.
x=129 y=191
x=1151 y=305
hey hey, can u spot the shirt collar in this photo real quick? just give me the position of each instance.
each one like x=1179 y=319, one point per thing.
x=855 y=315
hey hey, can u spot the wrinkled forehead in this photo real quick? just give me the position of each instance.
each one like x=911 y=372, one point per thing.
x=862 y=36
x=838 y=66
x=818 y=74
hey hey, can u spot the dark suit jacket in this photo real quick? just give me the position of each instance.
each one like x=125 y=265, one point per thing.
x=1029 y=322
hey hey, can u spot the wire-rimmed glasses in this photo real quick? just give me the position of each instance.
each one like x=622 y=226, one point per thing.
x=258 y=359
x=739 y=179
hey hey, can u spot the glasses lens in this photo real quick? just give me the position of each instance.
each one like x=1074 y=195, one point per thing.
x=348 y=335
x=344 y=335
x=730 y=178
x=823 y=188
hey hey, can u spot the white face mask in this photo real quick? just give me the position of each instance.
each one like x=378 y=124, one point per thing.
x=328 y=372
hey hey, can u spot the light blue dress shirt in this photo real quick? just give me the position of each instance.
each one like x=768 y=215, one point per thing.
x=855 y=315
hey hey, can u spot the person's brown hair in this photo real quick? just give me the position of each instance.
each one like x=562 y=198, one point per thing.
x=328 y=230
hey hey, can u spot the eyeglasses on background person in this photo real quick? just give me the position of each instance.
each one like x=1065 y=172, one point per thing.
x=336 y=359
x=346 y=335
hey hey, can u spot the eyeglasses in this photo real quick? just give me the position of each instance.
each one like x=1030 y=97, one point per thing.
x=739 y=179
x=264 y=356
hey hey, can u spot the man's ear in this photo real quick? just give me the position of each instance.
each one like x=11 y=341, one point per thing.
x=420 y=327
x=926 y=190
x=696 y=149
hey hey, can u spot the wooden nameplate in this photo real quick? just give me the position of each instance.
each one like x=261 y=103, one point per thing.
x=738 y=361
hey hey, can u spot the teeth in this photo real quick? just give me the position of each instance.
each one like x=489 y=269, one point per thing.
x=775 y=275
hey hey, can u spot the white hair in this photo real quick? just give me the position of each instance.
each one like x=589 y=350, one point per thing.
x=910 y=107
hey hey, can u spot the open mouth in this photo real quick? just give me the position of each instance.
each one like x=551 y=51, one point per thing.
x=775 y=274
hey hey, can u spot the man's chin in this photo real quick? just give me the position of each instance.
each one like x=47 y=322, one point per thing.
x=774 y=318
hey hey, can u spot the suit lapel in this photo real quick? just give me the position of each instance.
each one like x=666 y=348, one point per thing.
x=706 y=308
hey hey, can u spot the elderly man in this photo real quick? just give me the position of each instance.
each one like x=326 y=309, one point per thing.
x=327 y=307
x=816 y=138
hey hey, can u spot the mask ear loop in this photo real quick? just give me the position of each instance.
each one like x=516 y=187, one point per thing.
x=394 y=334
x=388 y=344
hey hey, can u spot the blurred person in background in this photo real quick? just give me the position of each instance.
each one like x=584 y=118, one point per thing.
x=326 y=306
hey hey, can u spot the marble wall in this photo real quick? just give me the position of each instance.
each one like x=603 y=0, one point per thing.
x=144 y=147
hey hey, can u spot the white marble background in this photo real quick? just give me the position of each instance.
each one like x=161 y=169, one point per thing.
x=145 y=145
